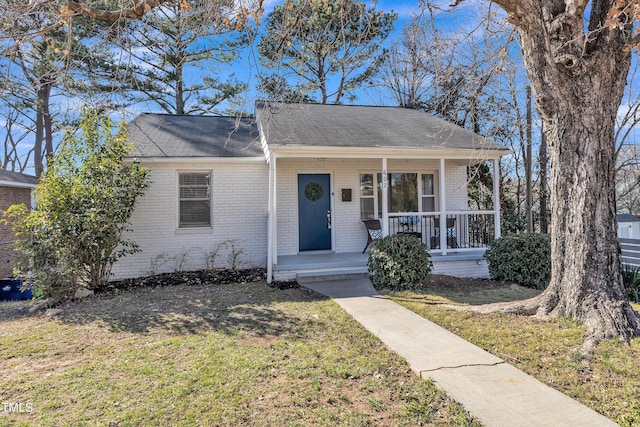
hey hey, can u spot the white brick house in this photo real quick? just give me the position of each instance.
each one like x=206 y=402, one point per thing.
x=292 y=187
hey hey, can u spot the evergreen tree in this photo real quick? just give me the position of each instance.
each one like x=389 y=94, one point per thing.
x=321 y=50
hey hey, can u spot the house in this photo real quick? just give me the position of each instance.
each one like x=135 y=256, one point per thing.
x=628 y=226
x=290 y=189
x=15 y=189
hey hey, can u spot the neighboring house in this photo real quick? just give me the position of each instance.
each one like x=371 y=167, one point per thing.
x=290 y=189
x=628 y=226
x=15 y=189
x=629 y=235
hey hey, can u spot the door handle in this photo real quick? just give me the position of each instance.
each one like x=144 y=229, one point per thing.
x=329 y=220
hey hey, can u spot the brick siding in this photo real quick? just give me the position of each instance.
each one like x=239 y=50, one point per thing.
x=240 y=211
x=10 y=196
x=239 y=215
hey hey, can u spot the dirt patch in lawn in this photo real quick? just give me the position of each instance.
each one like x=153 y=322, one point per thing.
x=477 y=291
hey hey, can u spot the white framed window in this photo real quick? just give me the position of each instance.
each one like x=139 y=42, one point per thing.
x=408 y=192
x=368 y=196
x=195 y=199
x=428 y=192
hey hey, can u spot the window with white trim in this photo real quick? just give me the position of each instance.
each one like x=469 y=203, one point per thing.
x=427 y=192
x=408 y=192
x=367 y=196
x=195 y=200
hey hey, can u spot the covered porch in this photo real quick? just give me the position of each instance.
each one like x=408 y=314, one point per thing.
x=436 y=210
x=333 y=167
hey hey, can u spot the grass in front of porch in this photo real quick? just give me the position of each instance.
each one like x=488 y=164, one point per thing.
x=241 y=354
x=608 y=382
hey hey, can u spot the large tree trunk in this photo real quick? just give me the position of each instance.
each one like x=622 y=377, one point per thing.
x=578 y=79
x=586 y=281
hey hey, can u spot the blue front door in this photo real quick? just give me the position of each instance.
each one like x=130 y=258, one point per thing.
x=314 y=211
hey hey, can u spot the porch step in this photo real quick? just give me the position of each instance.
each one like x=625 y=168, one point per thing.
x=330 y=274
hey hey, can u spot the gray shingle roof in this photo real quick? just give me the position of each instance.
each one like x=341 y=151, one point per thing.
x=627 y=218
x=17 y=178
x=309 y=125
x=166 y=135
x=363 y=126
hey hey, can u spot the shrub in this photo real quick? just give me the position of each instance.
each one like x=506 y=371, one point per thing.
x=524 y=259
x=631 y=280
x=399 y=262
x=83 y=205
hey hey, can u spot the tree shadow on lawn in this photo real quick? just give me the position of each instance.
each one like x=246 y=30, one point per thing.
x=465 y=291
x=193 y=309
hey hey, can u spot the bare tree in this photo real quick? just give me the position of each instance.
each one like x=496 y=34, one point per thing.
x=628 y=180
x=468 y=78
x=577 y=56
x=13 y=158
x=628 y=152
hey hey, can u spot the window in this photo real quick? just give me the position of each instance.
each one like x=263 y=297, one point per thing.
x=403 y=192
x=367 y=196
x=408 y=192
x=195 y=200
x=428 y=193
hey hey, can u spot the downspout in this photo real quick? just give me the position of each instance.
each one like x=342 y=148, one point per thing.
x=272 y=217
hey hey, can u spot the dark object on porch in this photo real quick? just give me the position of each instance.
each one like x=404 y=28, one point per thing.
x=374 y=231
x=416 y=234
x=452 y=240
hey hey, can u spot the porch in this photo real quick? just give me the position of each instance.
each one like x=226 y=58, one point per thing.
x=331 y=167
x=464 y=231
x=457 y=263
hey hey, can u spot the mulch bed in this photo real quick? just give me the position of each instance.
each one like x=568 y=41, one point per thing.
x=199 y=277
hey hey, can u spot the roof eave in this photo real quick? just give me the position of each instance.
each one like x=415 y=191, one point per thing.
x=15 y=184
x=295 y=150
x=207 y=159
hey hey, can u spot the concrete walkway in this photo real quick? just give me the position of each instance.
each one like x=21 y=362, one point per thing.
x=489 y=388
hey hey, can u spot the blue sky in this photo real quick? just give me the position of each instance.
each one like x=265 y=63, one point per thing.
x=460 y=19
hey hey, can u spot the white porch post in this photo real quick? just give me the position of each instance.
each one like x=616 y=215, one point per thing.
x=385 y=199
x=272 y=248
x=496 y=198
x=443 y=205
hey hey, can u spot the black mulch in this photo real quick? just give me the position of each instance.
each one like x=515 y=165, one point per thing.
x=200 y=277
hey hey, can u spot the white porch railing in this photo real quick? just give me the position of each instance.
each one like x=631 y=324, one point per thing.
x=464 y=230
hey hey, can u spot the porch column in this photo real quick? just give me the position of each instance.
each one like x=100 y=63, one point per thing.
x=443 y=204
x=385 y=198
x=496 y=198
x=272 y=251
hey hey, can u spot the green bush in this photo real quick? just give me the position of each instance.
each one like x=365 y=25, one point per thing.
x=631 y=280
x=524 y=259
x=84 y=201
x=399 y=262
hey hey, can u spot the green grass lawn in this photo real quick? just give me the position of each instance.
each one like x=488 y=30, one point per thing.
x=608 y=382
x=231 y=355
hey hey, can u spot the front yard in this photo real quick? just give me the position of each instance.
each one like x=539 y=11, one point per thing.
x=608 y=382
x=237 y=354
x=247 y=354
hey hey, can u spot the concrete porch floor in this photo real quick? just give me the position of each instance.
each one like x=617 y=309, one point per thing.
x=321 y=263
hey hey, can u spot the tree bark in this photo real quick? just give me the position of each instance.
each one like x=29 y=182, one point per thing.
x=542 y=160
x=578 y=79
